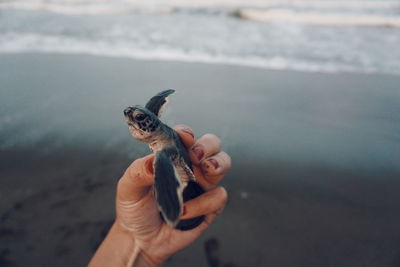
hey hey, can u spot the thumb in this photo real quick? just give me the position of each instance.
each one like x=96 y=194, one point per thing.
x=137 y=180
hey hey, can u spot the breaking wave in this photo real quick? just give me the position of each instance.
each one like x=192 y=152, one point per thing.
x=56 y=44
x=83 y=9
x=205 y=31
x=319 y=18
x=98 y=6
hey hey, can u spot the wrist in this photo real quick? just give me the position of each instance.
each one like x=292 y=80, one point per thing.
x=143 y=260
x=116 y=249
x=137 y=257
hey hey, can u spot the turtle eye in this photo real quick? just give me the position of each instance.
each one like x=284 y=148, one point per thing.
x=140 y=117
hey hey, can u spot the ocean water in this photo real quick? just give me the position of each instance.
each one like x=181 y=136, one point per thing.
x=360 y=36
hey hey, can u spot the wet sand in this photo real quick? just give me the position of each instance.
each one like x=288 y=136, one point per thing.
x=316 y=159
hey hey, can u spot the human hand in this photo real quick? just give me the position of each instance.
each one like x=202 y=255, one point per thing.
x=137 y=211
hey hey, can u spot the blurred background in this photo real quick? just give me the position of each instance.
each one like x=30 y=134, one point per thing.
x=305 y=95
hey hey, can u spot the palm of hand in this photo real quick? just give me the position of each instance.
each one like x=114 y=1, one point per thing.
x=154 y=237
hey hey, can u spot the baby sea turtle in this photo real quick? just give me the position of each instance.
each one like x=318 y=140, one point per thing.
x=174 y=181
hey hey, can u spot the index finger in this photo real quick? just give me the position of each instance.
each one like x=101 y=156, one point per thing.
x=186 y=134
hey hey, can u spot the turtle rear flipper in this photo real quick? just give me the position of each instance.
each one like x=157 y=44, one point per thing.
x=157 y=103
x=192 y=190
x=170 y=191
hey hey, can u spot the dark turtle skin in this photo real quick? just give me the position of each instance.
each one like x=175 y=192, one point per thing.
x=174 y=181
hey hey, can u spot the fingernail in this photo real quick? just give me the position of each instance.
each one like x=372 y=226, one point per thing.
x=214 y=163
x=149 y=165
x=207 y=164
x=198 y=152
x=188 y=131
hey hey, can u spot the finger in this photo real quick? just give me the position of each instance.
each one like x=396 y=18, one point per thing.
x=136 y=180
x=205 y=146
x=186 y=134
x=212 y=201
x=215 y=167
x=207 y=221
x=191 y=235
x=196 y=232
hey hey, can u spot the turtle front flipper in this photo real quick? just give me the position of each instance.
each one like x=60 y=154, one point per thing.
x=168 y=187
x=157 y=103
x=172 y=189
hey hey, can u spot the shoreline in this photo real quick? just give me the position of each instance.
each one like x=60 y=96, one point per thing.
x=234 y=64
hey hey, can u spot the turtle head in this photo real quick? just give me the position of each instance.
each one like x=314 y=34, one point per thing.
x=143 y=124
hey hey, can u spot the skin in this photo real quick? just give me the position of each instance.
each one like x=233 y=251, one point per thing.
x=138 y=237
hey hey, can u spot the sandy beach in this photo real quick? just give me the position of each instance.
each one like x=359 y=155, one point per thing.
x=315 y=172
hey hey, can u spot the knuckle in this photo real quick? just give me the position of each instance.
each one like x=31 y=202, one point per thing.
x=140 y=169
x=223 y=194
x=183 y=128
x=227 y=159
x=120 y=185
x=180 y=126
x=134 y=169
x=212 y=137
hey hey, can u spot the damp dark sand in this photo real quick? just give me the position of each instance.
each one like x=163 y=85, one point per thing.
x=316 y=159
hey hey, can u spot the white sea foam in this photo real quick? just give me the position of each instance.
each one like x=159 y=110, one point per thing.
x=84 y=9
x=319 y=18
x=224 y=3
x=53 y=44
x=211 y=36
x=161 y=6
